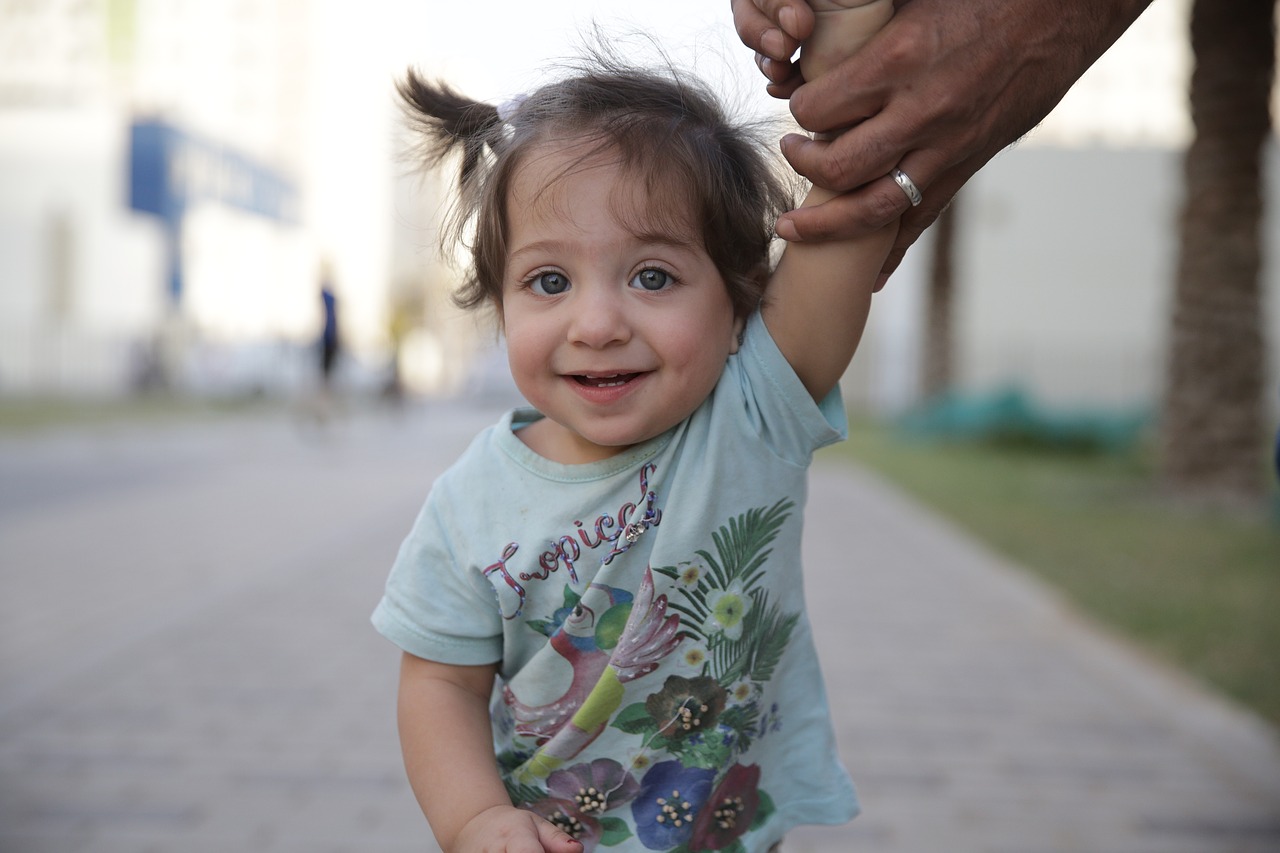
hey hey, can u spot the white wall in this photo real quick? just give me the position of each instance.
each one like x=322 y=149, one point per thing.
x=75 y=274
x=1064 y=277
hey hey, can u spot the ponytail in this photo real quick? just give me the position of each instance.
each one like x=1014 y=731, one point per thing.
x=449 y=122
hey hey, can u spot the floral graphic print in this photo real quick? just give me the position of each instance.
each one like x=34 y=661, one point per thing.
x=709 y=644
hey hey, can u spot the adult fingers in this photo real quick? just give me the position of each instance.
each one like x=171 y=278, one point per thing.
x=870 y=206
x=773 y=28
x=851 y=158
x=795 y=17
x=784 y=77
x=847 y=215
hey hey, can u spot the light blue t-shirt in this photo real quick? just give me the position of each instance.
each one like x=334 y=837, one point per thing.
x=659 y=685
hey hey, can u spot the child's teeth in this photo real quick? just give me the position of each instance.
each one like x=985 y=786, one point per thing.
x=606 y=381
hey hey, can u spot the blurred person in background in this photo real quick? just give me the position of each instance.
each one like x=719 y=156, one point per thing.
x=318 y=404
x=330 y=345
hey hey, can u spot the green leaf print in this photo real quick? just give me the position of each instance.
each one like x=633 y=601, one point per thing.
x=768 y=653
x=522 y=794
x=615 y=832
x=742 y=720
x=548 y=627
x=764 y=810
x=710 y=750
x=755 y=656
x=743 y=543
x=742 y=546
x=635 y=720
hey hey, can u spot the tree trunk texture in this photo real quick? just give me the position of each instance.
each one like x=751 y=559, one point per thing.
x=939 y=336
x=1213 y=438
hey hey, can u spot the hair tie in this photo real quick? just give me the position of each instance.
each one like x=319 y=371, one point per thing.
x=507 y=109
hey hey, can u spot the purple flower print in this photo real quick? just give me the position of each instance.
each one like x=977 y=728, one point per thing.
x=594 y=788
x=668 y=803
x=564 y=814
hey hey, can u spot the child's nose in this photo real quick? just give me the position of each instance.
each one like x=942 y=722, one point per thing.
x=599 y=318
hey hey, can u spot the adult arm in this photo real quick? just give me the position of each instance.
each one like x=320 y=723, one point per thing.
x=942 y=88
x=448 y=754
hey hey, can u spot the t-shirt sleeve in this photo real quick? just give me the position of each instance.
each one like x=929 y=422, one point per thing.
x=435 y=607
x=782 y=411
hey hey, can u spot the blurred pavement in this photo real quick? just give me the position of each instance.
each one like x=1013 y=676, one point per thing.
x=186 y=662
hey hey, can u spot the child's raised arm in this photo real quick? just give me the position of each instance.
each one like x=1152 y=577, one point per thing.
x=820 y=294
x=448 y=754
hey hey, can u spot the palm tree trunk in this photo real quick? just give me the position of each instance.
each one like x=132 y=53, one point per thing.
x=1213 y=439
x=939 y=336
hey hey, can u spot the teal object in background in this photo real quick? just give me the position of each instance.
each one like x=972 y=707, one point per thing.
x=1012 y=417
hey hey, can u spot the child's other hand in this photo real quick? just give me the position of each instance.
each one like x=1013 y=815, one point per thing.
x=507 y=829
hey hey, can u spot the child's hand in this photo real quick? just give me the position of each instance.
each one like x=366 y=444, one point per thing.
x=840 y=28
x=507 y=829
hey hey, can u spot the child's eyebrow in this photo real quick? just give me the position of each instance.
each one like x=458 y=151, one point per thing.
x=666 y=238
x=539 y=248
x=660 y=238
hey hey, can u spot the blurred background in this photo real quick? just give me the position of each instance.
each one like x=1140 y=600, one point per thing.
x=181 y=177
x=196 y=198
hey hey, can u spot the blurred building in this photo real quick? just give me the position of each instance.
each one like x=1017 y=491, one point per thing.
x=271 y=137
x=1067 y=246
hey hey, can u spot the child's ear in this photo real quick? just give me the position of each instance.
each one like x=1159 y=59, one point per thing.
x=739 y=325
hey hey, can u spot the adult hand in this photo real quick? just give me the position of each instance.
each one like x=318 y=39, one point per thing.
x=775 y=29
x=937 y=93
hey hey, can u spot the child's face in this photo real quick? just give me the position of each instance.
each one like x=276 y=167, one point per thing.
x=617 y=322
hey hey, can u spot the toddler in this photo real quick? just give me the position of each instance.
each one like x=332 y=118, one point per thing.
x=600 y=606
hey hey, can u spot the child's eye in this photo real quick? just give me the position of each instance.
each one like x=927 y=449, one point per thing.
x=652 y=279
x=549 y=283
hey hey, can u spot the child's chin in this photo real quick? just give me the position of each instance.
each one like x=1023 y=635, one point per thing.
x=620 y=440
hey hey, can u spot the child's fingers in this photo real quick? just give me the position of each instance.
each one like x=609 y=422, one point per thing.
x=556 y=840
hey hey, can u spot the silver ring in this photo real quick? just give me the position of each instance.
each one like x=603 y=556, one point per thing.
x=908 y=186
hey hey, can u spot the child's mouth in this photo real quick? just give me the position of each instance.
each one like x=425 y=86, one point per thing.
x=613 y=381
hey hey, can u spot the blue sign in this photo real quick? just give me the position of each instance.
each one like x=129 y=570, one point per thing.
x=170 y=170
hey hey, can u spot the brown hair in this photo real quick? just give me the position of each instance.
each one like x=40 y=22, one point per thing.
x=670 y=131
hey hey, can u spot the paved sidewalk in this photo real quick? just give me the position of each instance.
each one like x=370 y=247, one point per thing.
x=186 y=665
x=978 y=713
